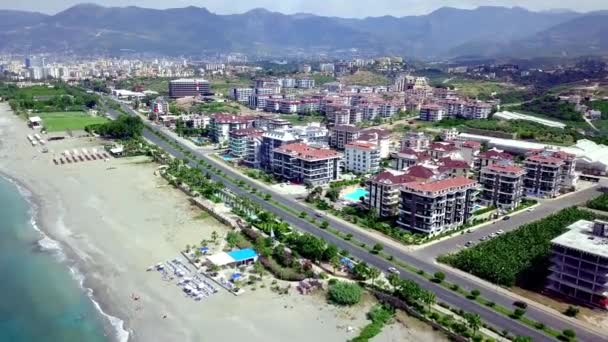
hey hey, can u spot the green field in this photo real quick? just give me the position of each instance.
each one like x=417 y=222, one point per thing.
x=73 y=121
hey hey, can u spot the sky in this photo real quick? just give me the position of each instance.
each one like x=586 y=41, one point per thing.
x=341 y=8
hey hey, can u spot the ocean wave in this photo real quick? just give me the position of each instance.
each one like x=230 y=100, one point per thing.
x=48 y=244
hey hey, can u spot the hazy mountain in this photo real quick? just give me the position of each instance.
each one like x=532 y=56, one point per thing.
x=191 y=30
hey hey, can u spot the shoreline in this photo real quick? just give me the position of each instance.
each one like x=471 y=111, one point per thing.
x=66 y=257
x=114 y=218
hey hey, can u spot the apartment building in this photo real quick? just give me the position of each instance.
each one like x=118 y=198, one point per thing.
x=239 y=141
x=272 y=140
x=491 y=157
x=189 y=87
x=159 y=106
x=579 y=264
x=252 y=151
x=241 y=95
x=415 y=140
x=434 y=207
x=378 y=136
x=549 y=173
x=502 y=185
x=305 y=83
x=432 y=112
x=362 y=157
x=384 y=194
x=439 y=150
x=410 y=156
x=304 y=164
x=453 y=167
x=341 y=135
x=221 y=124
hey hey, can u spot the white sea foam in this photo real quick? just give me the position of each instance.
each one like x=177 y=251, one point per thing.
x=48 y=244
x=122 y=335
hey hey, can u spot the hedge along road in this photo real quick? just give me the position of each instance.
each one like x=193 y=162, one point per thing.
x=489 y=292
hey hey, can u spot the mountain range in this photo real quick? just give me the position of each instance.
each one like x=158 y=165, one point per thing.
x=445 y=33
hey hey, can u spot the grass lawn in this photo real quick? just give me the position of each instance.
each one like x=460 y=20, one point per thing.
x=74 y=121
x=476 y=88
x=43 y=91
x=296 y=119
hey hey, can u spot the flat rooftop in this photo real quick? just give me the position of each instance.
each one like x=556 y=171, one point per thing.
x=580 y=237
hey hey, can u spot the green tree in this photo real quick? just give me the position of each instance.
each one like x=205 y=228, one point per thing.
x=333 y=194
x=214 y=236
x=361 y=271
x=232 y=239
x=324 y=225
x=330 y=252
x=428 y=298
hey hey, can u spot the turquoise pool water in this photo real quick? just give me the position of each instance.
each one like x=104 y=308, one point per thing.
x=356 y=195
x=227 y=157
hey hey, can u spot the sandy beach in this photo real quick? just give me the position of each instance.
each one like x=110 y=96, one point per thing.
x=116 y=218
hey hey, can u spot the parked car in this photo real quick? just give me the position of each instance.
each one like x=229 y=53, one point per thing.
x=506 y=218
x=469 y=244
x=493 y=235
x=500 y=232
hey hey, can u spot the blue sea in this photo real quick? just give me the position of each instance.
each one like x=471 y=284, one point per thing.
x=41 y=299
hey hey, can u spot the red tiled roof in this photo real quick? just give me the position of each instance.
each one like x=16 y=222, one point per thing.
x=505 y=168
x=420 y=171
x=392 y=178
x=303 y=151
x=471 y=144
x=246 y=131
x=495 y=155
x=361 y=144
x=545 y=159
x=443 y=146
x=420 y=155
x=453 y=163
x=440 y=185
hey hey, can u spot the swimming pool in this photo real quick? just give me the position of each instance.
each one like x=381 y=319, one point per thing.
x=227 y=157
x=356 y=195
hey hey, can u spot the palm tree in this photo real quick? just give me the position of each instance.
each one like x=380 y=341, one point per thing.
x=473 y=321
x=335 y=263
x=374 y=273
x=428 y=298
x=214 y=236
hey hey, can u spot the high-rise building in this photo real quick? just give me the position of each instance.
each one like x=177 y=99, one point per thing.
x=438 y=206
x=362 y=157
x=304 y=164
x=189 y=87
x=502 y=185
x=383 y=192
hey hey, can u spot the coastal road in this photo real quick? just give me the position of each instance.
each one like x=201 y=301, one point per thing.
x=489 y=291
x=545 y=208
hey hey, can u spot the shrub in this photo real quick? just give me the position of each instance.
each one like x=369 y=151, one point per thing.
x=518 y=313
x=455 y=287
x=475 y=293
x=438 y=277
x=539 y=325
x=377 y=248
x=568 y=335
x=571 y=311
x=343 y=293
x=490 y=304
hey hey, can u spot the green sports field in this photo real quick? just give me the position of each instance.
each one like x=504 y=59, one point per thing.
x=73 y=121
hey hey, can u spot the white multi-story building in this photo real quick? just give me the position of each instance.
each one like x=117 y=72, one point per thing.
x=362 y=157
x=304 y=164
x=384 y=194
x=222 y=124
x=305 y=83
x=241 y=95
x=432 y=112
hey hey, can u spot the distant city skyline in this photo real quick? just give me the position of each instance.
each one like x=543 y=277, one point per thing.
x=341 y=8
